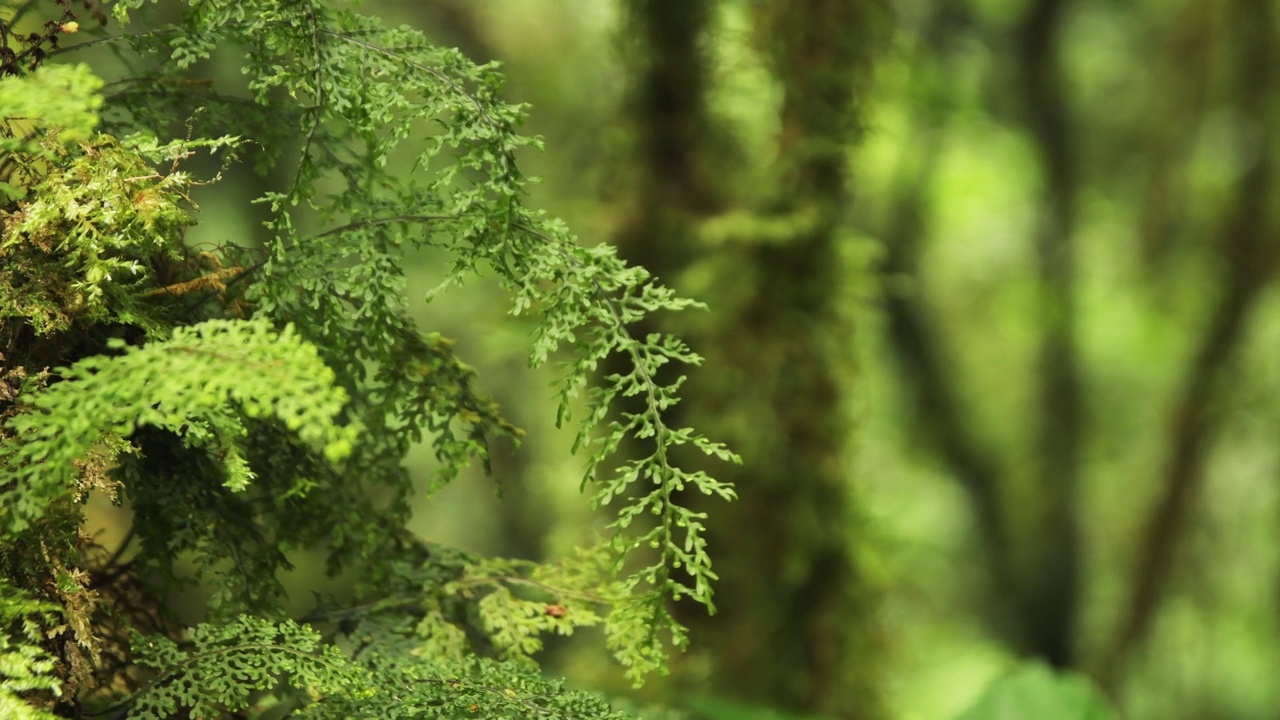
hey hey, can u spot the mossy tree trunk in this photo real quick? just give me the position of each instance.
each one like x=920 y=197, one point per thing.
x=794 y=622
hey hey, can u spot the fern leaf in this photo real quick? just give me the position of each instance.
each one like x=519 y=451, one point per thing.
x=197 y=385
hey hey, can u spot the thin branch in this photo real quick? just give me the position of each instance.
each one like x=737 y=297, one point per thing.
x=371 y=222
x=537 y=585
x=319 y=108
x=113 y=568
x=109 y=38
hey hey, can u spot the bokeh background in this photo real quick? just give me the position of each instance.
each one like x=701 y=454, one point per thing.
x=991 y=322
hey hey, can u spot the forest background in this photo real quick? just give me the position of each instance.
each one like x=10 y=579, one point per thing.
x=991 y=324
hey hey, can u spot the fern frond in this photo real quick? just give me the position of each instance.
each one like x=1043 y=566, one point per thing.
x=198 y=385
x=226 y=664
x=24 y=665
x=224 y=667
x=470 y=688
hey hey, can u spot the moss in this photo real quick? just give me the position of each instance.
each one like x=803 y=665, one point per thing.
x=90 y=239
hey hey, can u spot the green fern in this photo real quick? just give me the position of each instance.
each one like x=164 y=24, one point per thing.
x=248 y=662
x=25 y=667
x=225 y=665
x=195 y=385
x=250 y=401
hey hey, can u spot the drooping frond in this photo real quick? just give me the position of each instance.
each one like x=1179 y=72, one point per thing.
x=199 y=384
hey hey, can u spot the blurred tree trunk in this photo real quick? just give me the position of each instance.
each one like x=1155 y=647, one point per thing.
x=925 y=365
x=1031 y=553
x=1049 y=589
x=794 y=625
x=672 y=183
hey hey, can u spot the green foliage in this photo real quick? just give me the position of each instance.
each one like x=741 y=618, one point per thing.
x=24 y=666
x=87 y=243
x=254 y=662
x=199 y=384
x=255 y=398
x=59 y=96
x=1035 y=691
x=474 y=687
x=226 y=663
x=64 y=97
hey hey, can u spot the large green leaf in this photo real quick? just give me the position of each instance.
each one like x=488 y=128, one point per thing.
x=1035 y=691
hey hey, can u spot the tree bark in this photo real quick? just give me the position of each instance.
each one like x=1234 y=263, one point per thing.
x=794 y=623
x=1049 y=592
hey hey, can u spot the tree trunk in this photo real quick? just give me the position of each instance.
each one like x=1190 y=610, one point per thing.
x=1049 y=591
x=794 y=622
